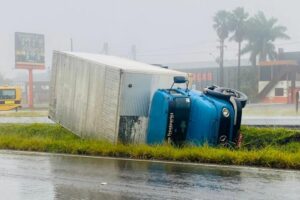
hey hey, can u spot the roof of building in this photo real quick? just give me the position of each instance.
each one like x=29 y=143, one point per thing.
x=289 y=56
x=279 y=63
x=122 y=63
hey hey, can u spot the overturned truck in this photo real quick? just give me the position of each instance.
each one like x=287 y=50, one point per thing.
x=181 y=115
x=104 y=97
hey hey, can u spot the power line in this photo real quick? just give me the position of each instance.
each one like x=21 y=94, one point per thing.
x=286 y=43
x=186 y=53
x=195 y=44
x=165 y=54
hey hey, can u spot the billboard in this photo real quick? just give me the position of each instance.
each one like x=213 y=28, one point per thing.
x=29 y=51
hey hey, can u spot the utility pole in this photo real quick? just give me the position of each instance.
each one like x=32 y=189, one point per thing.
x=71 y=44
x=221 y=79
x=239 y=68
x=105 y=48
x=133 y=52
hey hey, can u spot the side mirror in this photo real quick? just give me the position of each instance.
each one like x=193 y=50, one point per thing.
x=180 y=79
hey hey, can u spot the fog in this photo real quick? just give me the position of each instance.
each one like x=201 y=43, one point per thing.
x=153 y=72
x=163 y=31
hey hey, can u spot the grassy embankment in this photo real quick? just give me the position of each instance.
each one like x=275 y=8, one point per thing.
x=278 y=148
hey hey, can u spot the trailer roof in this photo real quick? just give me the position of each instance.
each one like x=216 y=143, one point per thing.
x=122 y=63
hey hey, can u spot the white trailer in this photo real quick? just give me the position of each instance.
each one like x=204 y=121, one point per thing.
x=104 y=97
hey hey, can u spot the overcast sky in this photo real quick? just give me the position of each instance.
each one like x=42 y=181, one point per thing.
x=164 y=31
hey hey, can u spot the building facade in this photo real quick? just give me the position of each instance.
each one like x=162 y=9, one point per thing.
x=275 y=81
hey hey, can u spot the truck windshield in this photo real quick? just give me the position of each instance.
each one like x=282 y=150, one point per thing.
x=7 y=94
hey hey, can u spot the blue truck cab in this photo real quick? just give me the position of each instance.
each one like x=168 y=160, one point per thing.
x=169 y=117
x=211 y=120
x=189 y=116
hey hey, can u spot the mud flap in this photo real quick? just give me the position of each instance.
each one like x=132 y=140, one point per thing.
x=239 y=140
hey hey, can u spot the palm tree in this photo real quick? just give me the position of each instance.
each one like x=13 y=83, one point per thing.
x=222 y=27
x=239 y=28
x=261 y=33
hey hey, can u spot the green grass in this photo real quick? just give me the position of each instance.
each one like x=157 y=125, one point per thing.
x=256 y=138
x=267 y=147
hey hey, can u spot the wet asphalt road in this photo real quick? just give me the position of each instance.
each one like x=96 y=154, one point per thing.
x=280 y=121
x=25 y=120
x=44 y=176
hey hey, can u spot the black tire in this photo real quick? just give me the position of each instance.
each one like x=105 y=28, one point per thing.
x=226 y=93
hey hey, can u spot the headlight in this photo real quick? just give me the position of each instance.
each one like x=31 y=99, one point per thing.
x=225 y=112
